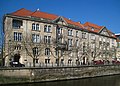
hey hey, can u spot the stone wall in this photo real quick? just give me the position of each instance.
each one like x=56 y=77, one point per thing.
x=60 y=73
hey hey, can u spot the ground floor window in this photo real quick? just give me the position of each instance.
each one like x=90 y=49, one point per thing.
x=47 y=61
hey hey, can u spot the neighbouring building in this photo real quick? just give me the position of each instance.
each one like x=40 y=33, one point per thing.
x=39 y=38
x=118 y=46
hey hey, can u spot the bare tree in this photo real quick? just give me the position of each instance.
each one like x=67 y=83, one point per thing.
x=34 y=49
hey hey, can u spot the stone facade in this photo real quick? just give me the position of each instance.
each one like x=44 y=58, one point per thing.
x=43 y=39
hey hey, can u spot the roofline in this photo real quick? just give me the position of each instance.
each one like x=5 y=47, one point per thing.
x=51 y=22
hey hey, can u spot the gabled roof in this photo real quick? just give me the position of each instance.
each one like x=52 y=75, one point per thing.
x=89 y=26
x=38 y=14
x=23 y=12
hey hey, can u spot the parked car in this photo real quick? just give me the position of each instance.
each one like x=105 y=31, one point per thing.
x=98 y=62
x=16 y=64
x=115 y=62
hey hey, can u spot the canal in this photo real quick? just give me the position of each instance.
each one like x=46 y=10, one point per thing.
x=98 y=81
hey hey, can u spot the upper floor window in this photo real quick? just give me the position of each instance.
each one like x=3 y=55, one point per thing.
x=47 y=28
x=35 y=27
x=17 y=23
x=47 y=39
x=17 y=36
x=84 y=36
x=35 y=38
x=47 y=51
x=76 y=33
x=77 y=43
x=92 y=36
x=35 y=51
x=92 y=28
x=70 y=32
x=69 y=42
x=59 y=30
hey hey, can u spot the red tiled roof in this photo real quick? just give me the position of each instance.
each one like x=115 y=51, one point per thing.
x=23 y=12
x=39 y=14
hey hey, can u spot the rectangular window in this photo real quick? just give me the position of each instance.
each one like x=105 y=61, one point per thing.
x=76 y=33
x=92 y=37
x=70 y=32
x=17 y=24
x=36 y=61
x=17 y=36
x=69 y=42
x=77 y=43
x=35 y=38
x=59 y=30
x=84 y=35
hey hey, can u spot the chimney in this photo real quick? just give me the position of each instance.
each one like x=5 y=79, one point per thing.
x=38 y=9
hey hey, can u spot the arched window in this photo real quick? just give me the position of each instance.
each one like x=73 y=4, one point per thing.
x=37 y=27
x=47 y=51
x=35 y=51
x=45 y=28
x=33 y=26
x=49 y=29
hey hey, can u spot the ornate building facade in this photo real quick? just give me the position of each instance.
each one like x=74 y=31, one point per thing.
x=39 y=38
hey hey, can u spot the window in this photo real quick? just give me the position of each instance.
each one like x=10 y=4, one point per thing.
x=84 y=35
x=69 y=61
x=16 y=24
x=77 y=43
x=35 y=27
x=47 y=51
x=35 y=51
x=47 y=28
x=47 y=39
x=36 y=60
x=76 y=33
x=92 y=37
x=59 y=31
x=47 y=61
x=69 y=42
x=70 y=33
x=17 y=36
x=35 y=38
x=92 y=29
x=18 y=47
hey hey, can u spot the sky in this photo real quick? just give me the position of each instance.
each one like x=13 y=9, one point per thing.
x=100 y=12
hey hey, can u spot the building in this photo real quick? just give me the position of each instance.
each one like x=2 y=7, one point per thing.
x=39 y=38
x=118 y=46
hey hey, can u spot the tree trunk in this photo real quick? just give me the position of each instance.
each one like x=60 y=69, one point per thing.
x=33 y=62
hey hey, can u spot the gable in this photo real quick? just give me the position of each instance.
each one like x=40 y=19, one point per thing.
x=104 y=31
x=60 y=20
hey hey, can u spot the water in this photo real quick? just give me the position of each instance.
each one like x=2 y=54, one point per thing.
x=98 y=81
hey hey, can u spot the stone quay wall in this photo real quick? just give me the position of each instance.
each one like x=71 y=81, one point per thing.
x=60 y=73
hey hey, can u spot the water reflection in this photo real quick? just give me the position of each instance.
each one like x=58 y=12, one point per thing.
x=99 y=81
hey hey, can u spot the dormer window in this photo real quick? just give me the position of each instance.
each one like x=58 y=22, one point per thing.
x=92 y=29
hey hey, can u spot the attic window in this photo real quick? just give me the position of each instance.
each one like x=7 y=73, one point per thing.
x=17 y=24
x=92 y=29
